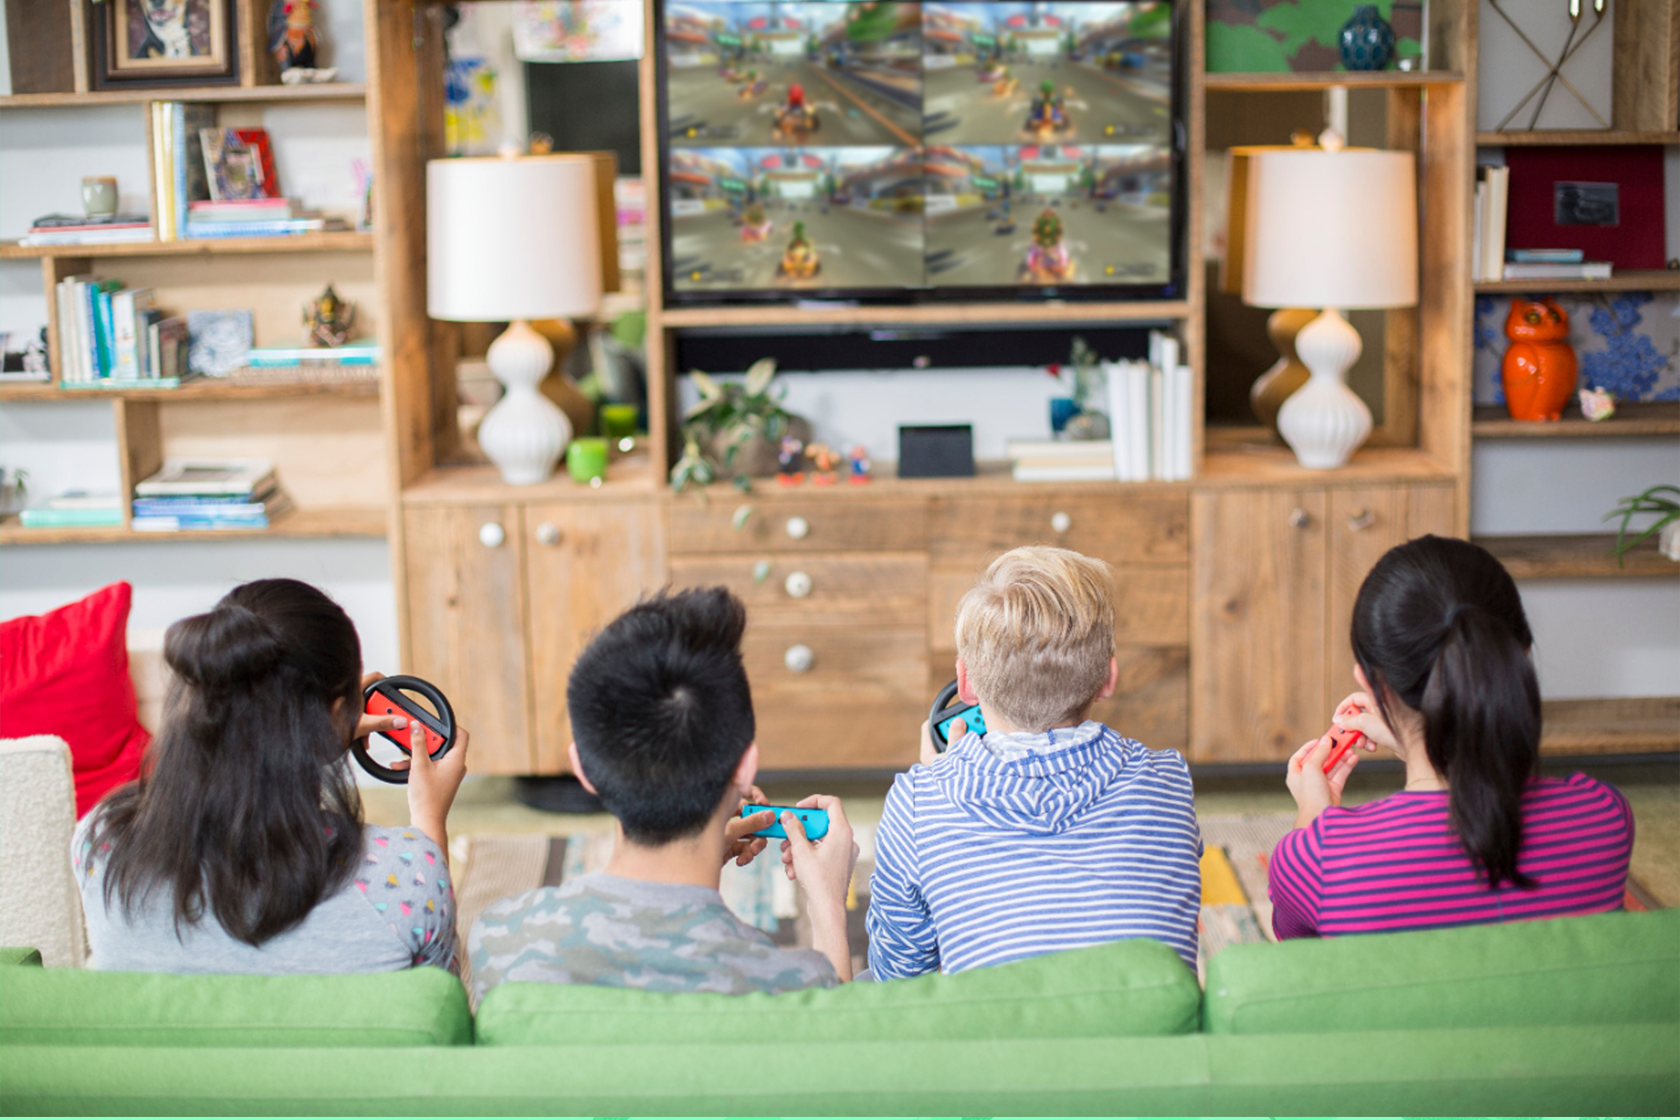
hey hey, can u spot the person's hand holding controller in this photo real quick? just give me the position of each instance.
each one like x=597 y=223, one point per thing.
x=1314 y=790
x=825 y=868
x=741 y=845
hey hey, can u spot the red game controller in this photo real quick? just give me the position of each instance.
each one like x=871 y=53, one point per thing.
x=1342 y=740
x=385 y=697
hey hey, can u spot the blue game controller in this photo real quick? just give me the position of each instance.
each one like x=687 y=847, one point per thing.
x=814 y=821
x=941 y=717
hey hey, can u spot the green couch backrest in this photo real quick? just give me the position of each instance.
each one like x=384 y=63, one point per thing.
x=1608 y=968
x=77 y=1007
x=1126 y=988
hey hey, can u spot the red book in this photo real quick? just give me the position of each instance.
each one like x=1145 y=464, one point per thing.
x=1606 y=202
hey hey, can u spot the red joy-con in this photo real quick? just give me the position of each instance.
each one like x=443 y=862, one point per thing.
x=1342 y=740
x=378 y=704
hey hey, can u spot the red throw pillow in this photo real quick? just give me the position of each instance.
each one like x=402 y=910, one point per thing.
x=65 y=673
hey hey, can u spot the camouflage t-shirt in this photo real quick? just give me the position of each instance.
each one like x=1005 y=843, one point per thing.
x=629 y=933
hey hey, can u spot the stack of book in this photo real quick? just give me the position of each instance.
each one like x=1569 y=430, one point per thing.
x=209 y=494
x=79 y=229
x=357 y=360
x=113 y=337
x=253 y=217
x=1553 y=264
x=1062 y=460
x=75 y=509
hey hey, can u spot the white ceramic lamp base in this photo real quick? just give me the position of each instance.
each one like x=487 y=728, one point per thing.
x=1324 y=422
x=525 y=433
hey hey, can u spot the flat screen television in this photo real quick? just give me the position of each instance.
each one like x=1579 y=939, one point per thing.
x=889 y=151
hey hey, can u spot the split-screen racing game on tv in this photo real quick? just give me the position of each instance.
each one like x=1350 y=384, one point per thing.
x=879 y=146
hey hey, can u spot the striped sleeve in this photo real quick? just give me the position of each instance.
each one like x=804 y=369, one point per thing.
x=902 y=938
x=1295 y=882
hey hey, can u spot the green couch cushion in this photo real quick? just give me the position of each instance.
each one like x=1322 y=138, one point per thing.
x=78 y=1007
x=1608 y=968
x=1126 y=988
x=20 y=956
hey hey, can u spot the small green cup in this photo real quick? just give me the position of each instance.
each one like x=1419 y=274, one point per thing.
x=618 y=421
x=586 y=458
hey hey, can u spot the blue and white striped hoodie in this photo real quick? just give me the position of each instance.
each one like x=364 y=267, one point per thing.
x=1013 y=846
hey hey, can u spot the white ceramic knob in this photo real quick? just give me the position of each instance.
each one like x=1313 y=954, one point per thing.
x=1060 y=522
x=798 y=585
x=491 y=535
x=798 y=528
x=1360 y=519
x=799 y=659
x=1298 y=518
x=548 y=533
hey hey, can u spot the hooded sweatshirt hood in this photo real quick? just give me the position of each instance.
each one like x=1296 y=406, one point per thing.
x=1040 y=786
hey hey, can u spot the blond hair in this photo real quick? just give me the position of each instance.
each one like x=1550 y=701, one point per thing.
x=1037 y=634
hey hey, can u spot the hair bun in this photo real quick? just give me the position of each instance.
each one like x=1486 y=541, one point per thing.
x=225 y=649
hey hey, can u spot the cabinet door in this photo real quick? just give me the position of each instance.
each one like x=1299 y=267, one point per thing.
x=1257 y=615
x=466 y=620
x=1363 y=524
x=586 y=562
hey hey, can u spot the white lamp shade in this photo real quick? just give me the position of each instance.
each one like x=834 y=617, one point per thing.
x=1331 y=229
x=511 y=238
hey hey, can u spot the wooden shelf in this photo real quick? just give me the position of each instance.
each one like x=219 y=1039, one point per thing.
x=342 y=522
x=1233 y=460
x=326 y=91
x=1570 y=137
x=931 y=313
x=1356 y=79
x=342 y=241
x=1632 y=280
x=201 y=389
x=480 y=484
x=1632 y=419
x=1610 y=726
x=1577 y=556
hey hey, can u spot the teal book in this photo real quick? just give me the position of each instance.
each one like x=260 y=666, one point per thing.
x=104 y=342
x=70 y=518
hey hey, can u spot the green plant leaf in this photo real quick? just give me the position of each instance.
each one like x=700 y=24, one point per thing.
x=739 y=520
x=707 y=387
x=761 y=571
x=759 y=375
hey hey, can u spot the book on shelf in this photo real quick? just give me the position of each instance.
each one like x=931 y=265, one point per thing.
x=1058 y=450
x=245 y=210
x=1493 y=190
x=43 y=518
x=1063 y=472
x=129 y=308
x=357 y=352
x=207 y=509
x=209 y=477
x=289 y=227
x=102 y=235
x=87 y=221
x=1545 y=256
x=1544 y=270
x=1150 y=414
x=178 y=162
x=167 y=342
x=81 y=498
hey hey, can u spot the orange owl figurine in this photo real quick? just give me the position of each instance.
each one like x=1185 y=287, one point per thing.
x=1539 y=366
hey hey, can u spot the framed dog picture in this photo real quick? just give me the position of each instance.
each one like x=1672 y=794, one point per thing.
x=163 y=43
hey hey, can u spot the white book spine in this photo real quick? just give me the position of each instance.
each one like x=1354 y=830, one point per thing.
x=1158 y=422
x=1183 y=397
x=84 y=332
x=123 y=361
x=1114 y=377
x=64 y=371
x=1499 y=184
x=1478 y=232
x=1138 y=403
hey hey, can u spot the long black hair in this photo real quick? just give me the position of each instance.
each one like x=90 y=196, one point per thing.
x=245 y=808
x=1439 y=625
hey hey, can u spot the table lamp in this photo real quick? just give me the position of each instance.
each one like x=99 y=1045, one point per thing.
x=514 y=238
x=1335 y=229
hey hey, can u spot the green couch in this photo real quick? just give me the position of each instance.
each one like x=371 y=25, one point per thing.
x=1575 y=1015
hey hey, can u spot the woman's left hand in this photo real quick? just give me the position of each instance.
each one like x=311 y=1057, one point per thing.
x=1314 y=790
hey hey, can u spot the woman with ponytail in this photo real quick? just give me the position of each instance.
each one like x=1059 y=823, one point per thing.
x=241 y=846
x=1441 y=652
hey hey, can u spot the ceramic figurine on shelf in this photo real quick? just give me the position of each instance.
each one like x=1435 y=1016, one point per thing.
x=859 y=456
x=1539 y=365
x=293 y=41
x=789 y=473
x=1597 y=404
x=35 y=354
x=329 y=319
x=823 y=461
x=1366 y=40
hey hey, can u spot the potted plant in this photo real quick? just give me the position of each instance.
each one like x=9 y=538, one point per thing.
x=1666 y=526
x=734 y=429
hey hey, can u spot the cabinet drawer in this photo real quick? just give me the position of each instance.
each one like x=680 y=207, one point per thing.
x=1151 y=605
x=817 y=525
x=1128 y=528
x=874 y=590
x=860 y=703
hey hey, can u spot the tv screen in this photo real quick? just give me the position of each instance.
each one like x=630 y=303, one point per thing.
x=882 y=150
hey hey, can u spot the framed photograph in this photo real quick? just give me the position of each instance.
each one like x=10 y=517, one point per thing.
x=163 y=43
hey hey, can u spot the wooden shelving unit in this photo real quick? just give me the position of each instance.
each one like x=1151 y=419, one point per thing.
x=318 y=522
x=275 y=94
x=1306 y=80
x=1578 y=556
x=1631 y=420
x=339 y=241
x=1568 y=137
x=1631 y=280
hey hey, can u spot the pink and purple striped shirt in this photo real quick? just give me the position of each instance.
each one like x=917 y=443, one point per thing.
x=1395 y=864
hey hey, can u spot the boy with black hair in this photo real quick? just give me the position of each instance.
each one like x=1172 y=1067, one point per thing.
x=663 y=725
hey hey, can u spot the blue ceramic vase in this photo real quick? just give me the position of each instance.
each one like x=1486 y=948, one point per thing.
x=1367 y=41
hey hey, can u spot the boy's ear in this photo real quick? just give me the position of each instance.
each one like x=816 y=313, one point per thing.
x=577 y=767
x=746 y=771
x=1111 y=683
x=965 y=690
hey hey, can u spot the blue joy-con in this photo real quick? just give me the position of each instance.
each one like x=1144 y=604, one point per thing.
x=814 y=821
x=970 y=715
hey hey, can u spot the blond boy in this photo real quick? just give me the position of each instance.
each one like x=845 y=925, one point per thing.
x=1051 y=831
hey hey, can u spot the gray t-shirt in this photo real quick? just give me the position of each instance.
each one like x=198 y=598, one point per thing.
x=629 y=933
x=397 y=912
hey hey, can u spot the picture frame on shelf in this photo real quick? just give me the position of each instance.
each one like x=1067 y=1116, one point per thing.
x=188 y=43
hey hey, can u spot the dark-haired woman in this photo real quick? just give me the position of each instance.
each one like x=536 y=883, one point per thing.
x=241 y=847
x=1441 y=646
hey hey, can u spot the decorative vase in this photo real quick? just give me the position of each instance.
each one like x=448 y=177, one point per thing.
x=1539 y=366
x=1366 y=40
x=525 y=432
x=1279 y=383
x=1324 y=421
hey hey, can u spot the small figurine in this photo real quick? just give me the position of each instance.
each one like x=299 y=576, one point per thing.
x=1539 y=365
x=329 y=319
x=859 y=455
x=1597 y=404
x=293 y=41
x=788 y=458
x=35 y=354
x=823 y=462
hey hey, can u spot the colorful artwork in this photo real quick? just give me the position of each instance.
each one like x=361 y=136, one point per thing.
x=577 y=30
x=1276 y=36
x=1627 y=342
x=471 y=116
